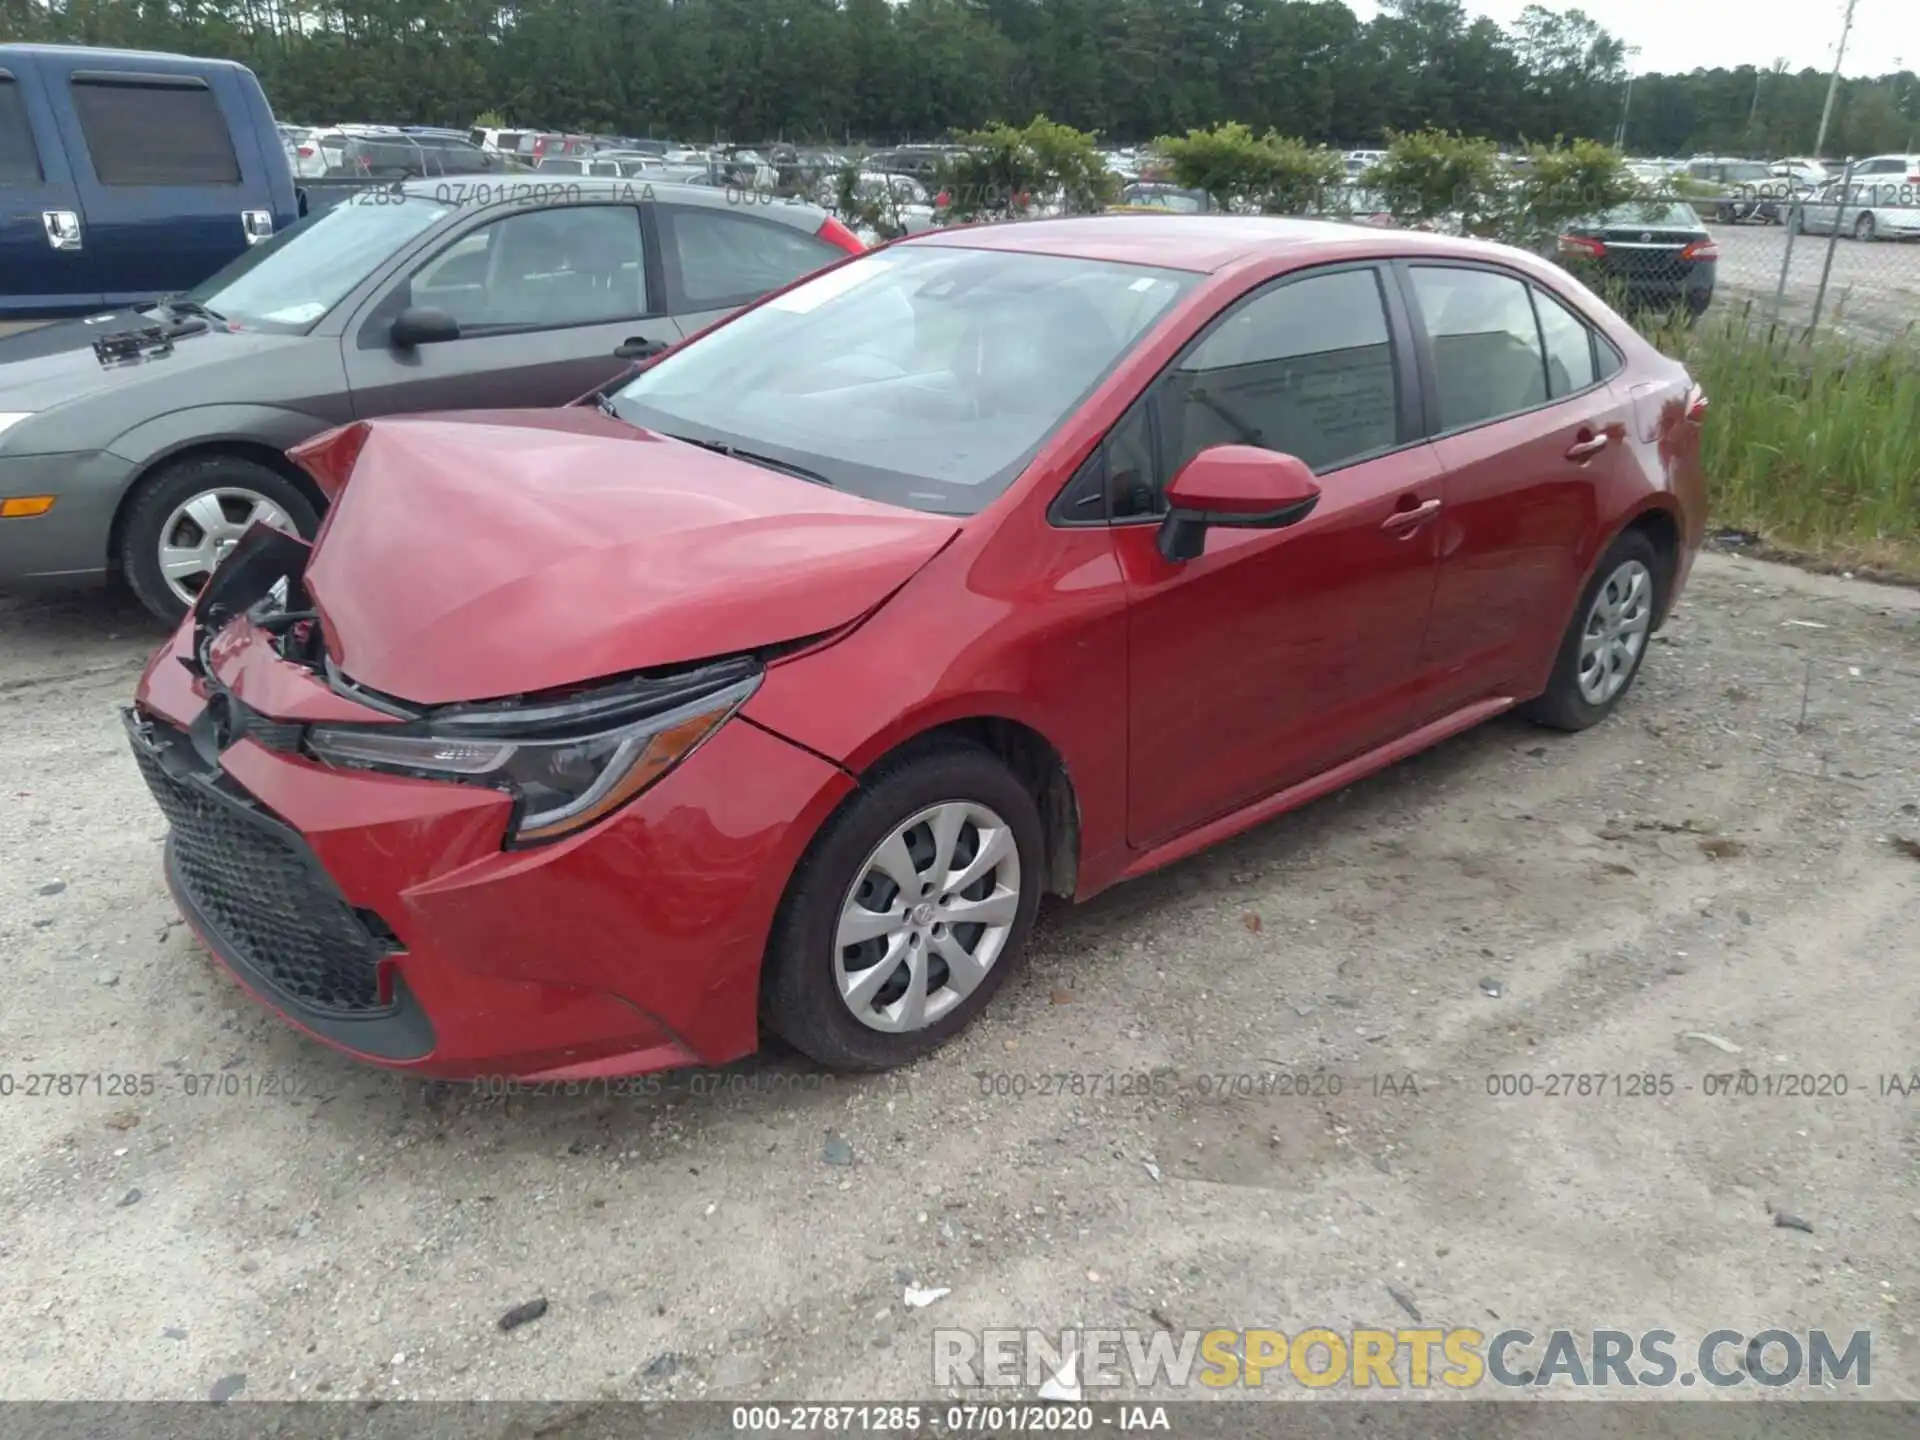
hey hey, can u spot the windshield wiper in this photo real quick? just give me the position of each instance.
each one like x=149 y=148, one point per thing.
x=182 y=305
x=734 y=452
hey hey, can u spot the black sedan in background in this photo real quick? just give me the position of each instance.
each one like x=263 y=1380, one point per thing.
x=1646 y=255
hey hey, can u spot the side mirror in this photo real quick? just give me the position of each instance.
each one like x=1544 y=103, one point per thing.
x=1238 y=486
x=422 y=325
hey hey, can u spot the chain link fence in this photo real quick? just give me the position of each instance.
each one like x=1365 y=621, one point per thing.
x=1840 y=259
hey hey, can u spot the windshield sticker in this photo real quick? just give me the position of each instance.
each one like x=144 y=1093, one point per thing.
x=297 y=314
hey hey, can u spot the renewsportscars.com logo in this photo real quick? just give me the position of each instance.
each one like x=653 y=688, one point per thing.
x=1065 y=1362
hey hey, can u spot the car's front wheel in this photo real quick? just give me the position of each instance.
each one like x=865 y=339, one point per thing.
x=1863 y=227
x=908 y=912
x=1607 y=640
x=184 y=519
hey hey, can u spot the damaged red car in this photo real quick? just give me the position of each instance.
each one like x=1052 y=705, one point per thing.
x=772 y=692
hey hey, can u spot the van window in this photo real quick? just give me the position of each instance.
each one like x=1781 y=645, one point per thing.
x=141 y=133
x=19 y=159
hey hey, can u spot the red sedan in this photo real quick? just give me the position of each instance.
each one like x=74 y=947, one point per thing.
x=775 y=689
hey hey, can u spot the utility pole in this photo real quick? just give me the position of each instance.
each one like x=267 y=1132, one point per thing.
x=1632 y=53
x=1833 y=86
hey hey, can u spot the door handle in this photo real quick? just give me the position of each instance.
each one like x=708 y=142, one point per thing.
x=258 y=225
x=1586 y=449
x=63 y=228
x=1409 y=519
x=638 y=347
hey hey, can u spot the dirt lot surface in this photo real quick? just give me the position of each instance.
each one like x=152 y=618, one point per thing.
x=1715 y=859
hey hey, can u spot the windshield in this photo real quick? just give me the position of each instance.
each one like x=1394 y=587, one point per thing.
x=922 y=376
x=1748 y=172
x=1180 y=202
x=287 y=283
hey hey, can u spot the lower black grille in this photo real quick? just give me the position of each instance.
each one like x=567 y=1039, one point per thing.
x=1649 y=265
x=262 y=893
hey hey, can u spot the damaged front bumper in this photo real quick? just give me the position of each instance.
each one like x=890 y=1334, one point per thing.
x=385 y=915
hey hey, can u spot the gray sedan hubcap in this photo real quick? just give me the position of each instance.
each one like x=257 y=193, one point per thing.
x=928 y=914
x=1615 y=632
x=204 y=528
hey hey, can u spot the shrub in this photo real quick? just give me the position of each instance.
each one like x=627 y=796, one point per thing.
x=1433 y=177
x=1275 y=173
x=1004 y=169
x=1561 y=184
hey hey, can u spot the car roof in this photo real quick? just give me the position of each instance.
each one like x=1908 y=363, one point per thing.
x=108 y=54
x=473 y=190
x=1203 y=243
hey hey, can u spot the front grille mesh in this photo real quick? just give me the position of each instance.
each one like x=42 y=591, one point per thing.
x=262 y=895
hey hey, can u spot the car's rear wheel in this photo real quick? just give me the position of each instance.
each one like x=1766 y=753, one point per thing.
x=1863 y=227
x=1608 y=637
x=908 y=912
x=183 y=520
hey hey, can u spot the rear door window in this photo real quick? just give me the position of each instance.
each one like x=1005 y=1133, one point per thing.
x=1569 y=347
x=19 y=157
x=717 y=258
x=1487 y=357
x=154 y=130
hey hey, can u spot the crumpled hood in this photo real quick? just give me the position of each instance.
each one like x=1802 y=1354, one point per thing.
x=489 y=554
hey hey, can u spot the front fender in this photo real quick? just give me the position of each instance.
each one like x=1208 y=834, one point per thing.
x=277 y=427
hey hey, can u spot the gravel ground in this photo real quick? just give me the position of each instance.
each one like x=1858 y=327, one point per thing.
x=1873 y=290
x=1716 y=858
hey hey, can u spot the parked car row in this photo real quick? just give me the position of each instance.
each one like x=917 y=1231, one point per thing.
x=141 y=442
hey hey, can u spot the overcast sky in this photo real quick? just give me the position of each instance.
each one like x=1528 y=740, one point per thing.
x=1679 y=35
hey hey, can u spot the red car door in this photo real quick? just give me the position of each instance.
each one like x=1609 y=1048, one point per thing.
x=1527 y=432
x=1276 y=653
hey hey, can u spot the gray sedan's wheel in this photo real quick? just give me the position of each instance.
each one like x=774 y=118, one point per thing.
x=184 y=521
x=1863 y=227
x=1606 y=641
x=908 y=912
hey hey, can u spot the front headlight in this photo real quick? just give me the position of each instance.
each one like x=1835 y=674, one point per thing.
x=568 y=763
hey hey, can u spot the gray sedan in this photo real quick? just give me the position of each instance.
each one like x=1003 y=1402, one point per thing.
x=141 y=444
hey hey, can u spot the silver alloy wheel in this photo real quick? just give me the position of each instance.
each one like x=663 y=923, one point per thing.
x=926 y=916
x=1615 y=632
x=203 y=528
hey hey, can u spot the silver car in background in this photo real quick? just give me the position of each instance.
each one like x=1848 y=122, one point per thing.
x=1879 y=209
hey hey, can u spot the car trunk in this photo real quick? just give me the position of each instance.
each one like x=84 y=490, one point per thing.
x=1646 y=253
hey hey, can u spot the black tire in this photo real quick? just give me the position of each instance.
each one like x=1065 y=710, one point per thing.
x=800 y=999
x=159 y=494
x=1562 y=706
x=1863 y=228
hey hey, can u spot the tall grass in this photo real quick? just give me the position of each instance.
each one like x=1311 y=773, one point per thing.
x=1812 y=443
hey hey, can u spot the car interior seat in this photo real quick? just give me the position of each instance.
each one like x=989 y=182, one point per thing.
x=1484 y=368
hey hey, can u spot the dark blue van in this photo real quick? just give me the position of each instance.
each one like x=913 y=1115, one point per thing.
x=126 y=175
